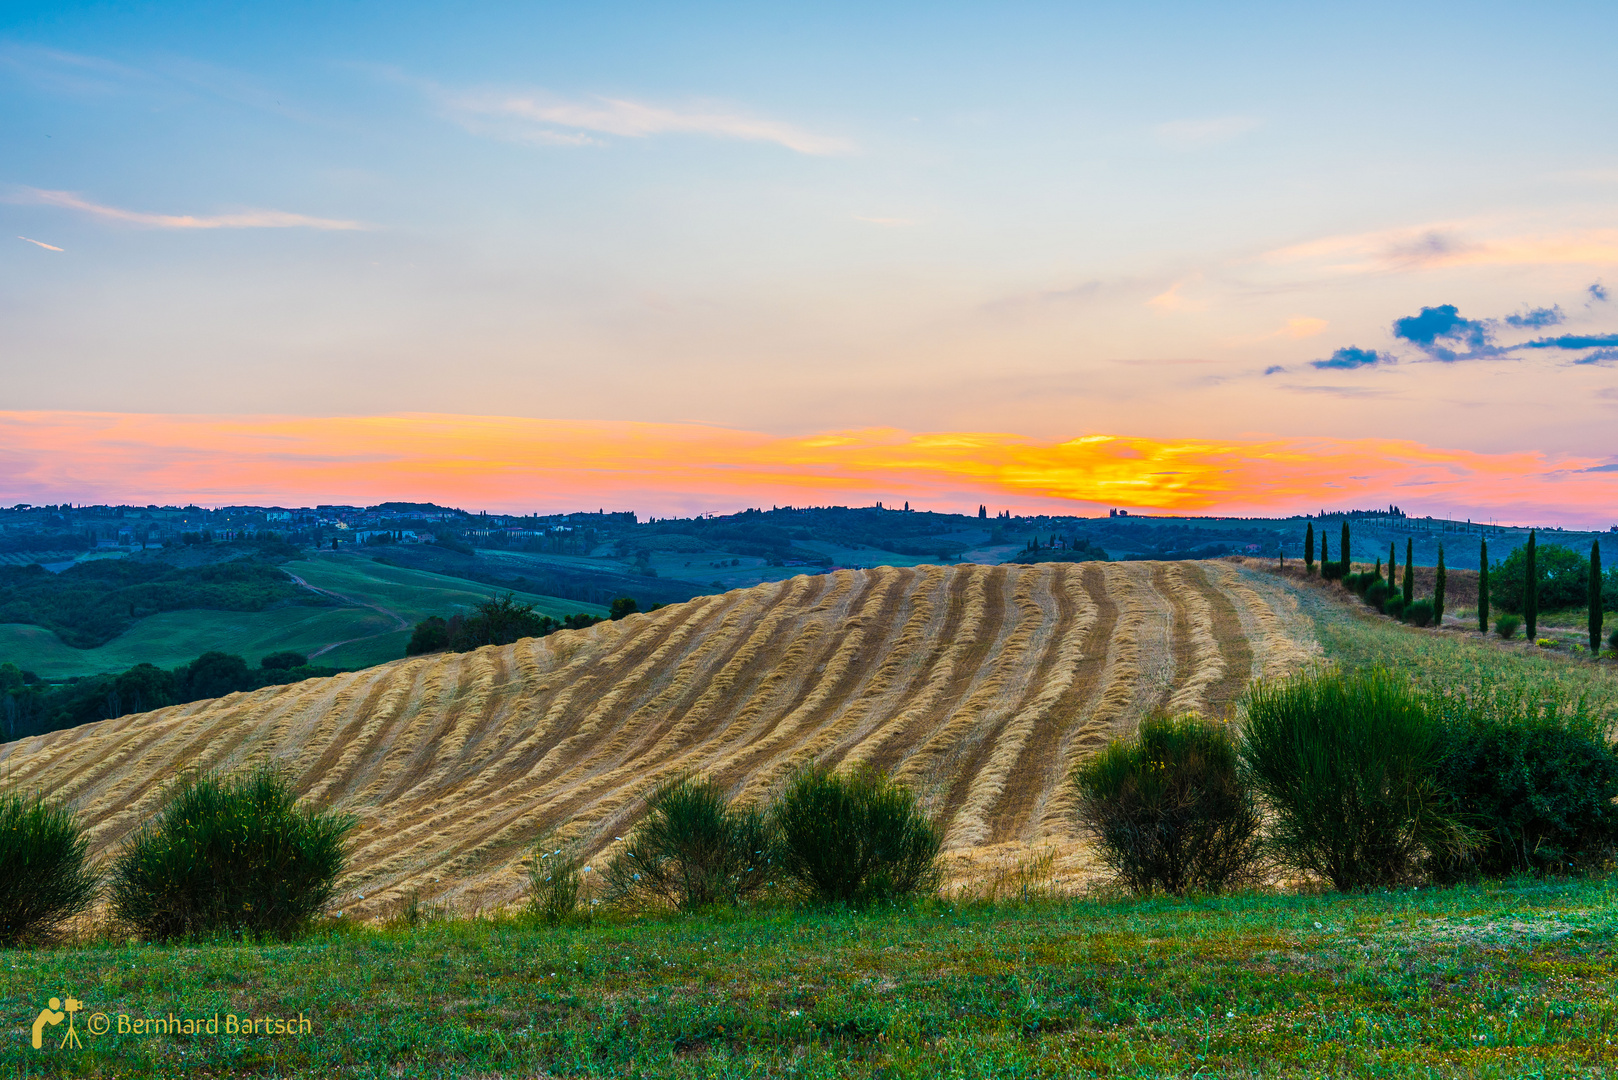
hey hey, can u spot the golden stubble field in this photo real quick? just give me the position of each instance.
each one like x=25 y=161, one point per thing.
x=979 y=686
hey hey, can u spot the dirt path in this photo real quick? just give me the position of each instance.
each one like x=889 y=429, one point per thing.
x=400 y=622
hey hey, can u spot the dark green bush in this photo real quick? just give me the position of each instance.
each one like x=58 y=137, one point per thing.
x=45 y=872
x=1536 y=776
x=855 y=838
x=1419 y=614
x=692 y=850
x=1169 y=809
x=430 y=635
x=1394 y=605
x=1377 y=594
x=1345 y=764
x=229 y=855
x=285 y=660
x=1506 y=626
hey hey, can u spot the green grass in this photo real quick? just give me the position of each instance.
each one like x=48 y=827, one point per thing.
x=1357 y=637
x=178 y=637
x=1508 y=980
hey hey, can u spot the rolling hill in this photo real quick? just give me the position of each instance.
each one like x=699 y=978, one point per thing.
x=980 y=686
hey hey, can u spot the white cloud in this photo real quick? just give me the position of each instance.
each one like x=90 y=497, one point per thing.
x=246 y=219
x=40 y=243
x=1205 y=132
x=1444 y=244
x=541 y=118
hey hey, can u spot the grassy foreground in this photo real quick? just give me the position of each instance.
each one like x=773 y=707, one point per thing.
x=1506 y=980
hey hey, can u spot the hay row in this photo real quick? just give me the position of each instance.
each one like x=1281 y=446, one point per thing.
x=980 y=686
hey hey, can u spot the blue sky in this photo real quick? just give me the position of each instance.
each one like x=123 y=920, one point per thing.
x=1045 y=220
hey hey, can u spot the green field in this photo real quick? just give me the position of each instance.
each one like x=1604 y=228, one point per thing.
x=1509 y=980
x=1356 y=636
x=381 y=597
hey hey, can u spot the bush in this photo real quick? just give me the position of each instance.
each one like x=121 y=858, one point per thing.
x=1394 y=605
x=283 y=661
x=1377 y=594
x=555 y=879
x=45 y=872
x=855 y=838
x=623 y=607
x=1345 y=763
x=1506 y=626
x=229 y=855
x=1536 y=778
x=1169 y=809
x=692 y=850
x=430 y=635
x=1420 y=613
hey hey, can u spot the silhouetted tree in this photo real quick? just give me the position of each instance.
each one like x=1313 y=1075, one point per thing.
x=1309 y=548
x=1438 y=590
x=1595 y=598
x=1483 y=585
x=1530 y=588
x=1410 y=572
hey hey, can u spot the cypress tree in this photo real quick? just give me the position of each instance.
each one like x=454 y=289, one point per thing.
x=1325 y=553
x=1438 y=590
x=1595 y=599
x=1393 y=567
x=1379 y=567
x=1530 y=590
x=1483 y=586
x=1309 y=549
x=1343 y=553
x=1410 y=571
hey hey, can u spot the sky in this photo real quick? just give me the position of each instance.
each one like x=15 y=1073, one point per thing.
x=1189 y=258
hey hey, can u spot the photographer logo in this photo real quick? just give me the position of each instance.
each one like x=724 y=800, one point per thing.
x=52 y=1015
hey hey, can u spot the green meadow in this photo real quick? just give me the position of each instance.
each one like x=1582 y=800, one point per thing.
x=380 y=604
x=1506 y=980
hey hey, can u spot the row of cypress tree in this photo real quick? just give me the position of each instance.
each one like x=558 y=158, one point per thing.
x=1530 y=605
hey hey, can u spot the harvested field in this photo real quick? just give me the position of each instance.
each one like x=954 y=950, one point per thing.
x=980 y=686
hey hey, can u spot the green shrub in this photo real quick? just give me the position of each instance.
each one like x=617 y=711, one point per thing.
x=1536 y=777
x=555 y=879
x=692 y=850
x=1377 y=594
x=285 y=660
x=229 y=855
x=1169 y=809
x=1394 y=605
x=1506 y=626
x=45 y=872
x=855 y=838
x=1419 y=614
x=1345 y=764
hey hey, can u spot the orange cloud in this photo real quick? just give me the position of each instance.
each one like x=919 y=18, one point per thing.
x=517 y=464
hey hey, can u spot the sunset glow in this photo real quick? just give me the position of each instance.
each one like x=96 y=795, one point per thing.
x=521 y=465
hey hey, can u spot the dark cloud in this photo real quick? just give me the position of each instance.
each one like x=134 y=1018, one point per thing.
x=1351 y=357
x=1601 y=468
x=1535 y=318
x=1438 y=329
x=1573 y=341
x=1274 y=369
x=1598 y=356
x=1598 y=291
